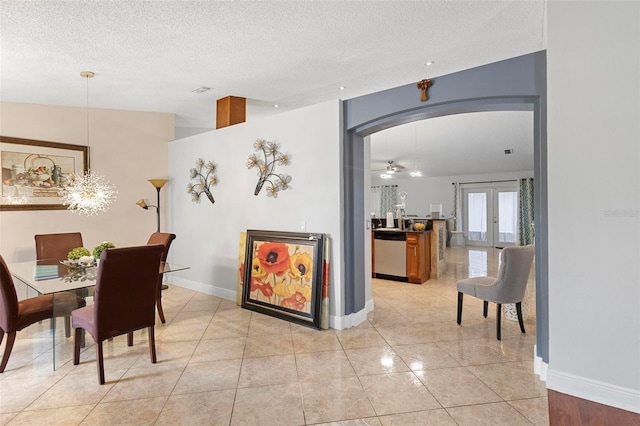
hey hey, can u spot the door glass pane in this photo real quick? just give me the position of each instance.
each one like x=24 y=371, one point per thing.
x=478 y=263
x=477 y=214
x=507 y=216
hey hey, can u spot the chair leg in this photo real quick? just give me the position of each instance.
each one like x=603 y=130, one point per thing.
x=152 y=343
x=159 y=306
x=77 y=341
x=460 y=296
x=485 y=308
x=67 y=327
x=130 y=338
x=100 y=362
x=498 y=320
x=519 y=312
x=1 y=335
x=11 y=338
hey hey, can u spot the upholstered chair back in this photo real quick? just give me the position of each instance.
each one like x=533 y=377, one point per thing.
x=125 y=292
x=8 y=299
x=56 y=246
x=513 y=274
x=162 y=238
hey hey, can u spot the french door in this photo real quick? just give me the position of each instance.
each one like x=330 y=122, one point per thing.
x=490 y=214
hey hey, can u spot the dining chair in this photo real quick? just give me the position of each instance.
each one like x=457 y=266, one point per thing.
x=508 y=287
x=16 y=315
x=165 y=239
x=56 y=247
x=124 y=300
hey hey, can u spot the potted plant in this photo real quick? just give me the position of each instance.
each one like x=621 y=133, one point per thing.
x=97 y=251
x=77 y=253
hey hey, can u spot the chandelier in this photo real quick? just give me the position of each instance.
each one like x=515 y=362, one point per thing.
x=88 y=193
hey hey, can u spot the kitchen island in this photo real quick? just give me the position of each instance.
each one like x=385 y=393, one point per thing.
x=401 y=255
x=438 y=245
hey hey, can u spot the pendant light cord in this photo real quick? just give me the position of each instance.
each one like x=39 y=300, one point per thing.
x=87 y=112
x=87 y=75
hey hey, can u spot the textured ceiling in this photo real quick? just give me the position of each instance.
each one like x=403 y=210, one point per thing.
x=151 y=55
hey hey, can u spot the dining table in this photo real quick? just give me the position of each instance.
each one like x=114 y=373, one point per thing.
x=57 y=276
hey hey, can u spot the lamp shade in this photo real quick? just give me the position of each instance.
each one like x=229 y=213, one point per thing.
x=158 y=183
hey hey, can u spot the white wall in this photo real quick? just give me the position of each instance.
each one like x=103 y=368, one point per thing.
x=208 y=234
x=127 y=147
x=594 y=200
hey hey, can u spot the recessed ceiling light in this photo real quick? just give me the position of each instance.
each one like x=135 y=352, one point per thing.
x=276 y=106
x=430 y=63
x=341 y=88
x=201 y=89
x=508 y=151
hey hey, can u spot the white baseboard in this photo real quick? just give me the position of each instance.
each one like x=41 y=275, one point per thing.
x=351 y=320
x=539 y=366
x=336 y=322
x=203 y=288
x=593 y=390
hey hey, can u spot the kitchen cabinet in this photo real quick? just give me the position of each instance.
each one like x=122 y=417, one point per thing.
x=373 y=256
x=418 y=257
x=401 y=255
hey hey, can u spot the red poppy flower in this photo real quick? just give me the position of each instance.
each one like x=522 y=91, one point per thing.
x=265 y=288
x=295 y=301
x=274 y=257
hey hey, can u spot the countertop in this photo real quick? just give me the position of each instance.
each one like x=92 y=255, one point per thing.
x=399 y=230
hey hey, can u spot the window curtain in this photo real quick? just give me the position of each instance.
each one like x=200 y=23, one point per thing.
x=384 y=199
x=455 y=213
x=525 y=219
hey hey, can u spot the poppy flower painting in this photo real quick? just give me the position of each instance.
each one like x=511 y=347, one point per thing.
x=283 y=275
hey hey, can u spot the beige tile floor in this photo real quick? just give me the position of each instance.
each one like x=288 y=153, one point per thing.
x=409 y=364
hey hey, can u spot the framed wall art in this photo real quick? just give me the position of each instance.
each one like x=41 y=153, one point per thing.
x=284 y=275
x=35 y=172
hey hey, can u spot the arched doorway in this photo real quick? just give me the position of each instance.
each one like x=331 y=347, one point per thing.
x=514 y=84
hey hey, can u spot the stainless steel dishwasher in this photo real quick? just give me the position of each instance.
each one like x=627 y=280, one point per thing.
x=390 y=255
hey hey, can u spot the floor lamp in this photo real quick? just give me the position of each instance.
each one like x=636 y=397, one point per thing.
x=158 y=184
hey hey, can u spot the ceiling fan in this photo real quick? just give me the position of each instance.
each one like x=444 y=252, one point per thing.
x=392 y=168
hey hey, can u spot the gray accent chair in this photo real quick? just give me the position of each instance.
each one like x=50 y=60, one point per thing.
x=508 y=287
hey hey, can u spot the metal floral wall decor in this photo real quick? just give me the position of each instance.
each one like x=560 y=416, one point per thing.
x=266 y=167
x=205 y=177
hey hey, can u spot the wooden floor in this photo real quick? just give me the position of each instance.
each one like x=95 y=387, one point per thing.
x=567 y=410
